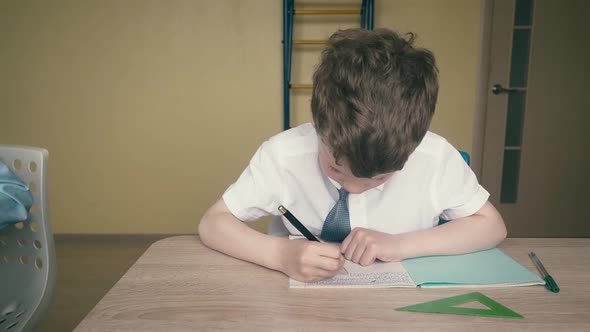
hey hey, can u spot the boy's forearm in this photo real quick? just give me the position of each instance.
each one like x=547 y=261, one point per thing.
x=221 y=231
x=483 y=230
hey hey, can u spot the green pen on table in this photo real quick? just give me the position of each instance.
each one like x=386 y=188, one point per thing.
x=550 y=284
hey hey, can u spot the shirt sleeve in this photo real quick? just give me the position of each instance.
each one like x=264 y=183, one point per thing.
x=458 y=191
x=257 y=192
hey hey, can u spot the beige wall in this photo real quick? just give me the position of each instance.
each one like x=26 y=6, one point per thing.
x=151 y=108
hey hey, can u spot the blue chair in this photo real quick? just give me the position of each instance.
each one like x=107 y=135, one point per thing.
x=466 y=157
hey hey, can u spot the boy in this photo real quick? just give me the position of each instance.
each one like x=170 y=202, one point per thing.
x=367 y=162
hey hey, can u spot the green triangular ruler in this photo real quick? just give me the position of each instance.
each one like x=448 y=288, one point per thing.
x=449 y=306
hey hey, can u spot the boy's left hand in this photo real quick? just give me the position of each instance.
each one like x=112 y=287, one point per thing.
x=363 y=246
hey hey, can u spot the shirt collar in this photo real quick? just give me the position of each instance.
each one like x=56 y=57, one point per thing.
x=338 y=186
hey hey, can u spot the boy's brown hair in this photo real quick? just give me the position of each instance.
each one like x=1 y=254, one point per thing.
x=374 y=95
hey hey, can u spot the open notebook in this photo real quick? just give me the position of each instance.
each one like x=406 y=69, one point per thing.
x=488 y=268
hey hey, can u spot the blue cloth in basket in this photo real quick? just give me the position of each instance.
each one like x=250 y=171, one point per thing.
x=15 y=198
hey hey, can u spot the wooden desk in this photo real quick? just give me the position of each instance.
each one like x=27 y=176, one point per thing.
x=181 y=285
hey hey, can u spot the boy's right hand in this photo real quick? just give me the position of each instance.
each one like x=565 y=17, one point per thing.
x=310 y=261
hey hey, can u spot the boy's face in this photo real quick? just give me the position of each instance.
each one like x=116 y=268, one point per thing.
x=341 y=173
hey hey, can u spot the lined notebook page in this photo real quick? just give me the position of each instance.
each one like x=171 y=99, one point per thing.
x=378 y=274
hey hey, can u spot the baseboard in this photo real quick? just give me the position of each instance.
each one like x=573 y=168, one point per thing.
x=112 y=237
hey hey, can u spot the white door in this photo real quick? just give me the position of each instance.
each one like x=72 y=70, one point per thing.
x=536 y=144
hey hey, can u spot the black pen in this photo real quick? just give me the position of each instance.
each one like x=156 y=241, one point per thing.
x=297 y=224
x=550 y=284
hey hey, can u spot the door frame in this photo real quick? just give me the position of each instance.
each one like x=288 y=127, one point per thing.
x=481 y=93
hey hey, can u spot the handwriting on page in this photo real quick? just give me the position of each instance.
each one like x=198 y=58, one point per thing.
x=379 y=274
x=368 y=279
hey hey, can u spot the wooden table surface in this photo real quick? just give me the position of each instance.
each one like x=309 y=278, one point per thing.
x=181 y=285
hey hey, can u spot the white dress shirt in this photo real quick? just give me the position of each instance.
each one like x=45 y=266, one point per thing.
x=435 y=182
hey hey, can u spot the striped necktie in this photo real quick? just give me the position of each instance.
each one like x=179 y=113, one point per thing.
x=337 y=223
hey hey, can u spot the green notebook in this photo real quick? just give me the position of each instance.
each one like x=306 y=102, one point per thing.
x=488 y=268
x=483 y=268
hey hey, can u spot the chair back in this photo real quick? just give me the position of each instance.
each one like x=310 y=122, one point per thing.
x=27 y=253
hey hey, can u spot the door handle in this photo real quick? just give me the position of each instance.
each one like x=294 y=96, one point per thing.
x=498 y=89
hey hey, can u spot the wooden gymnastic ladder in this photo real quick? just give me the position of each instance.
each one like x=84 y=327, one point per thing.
x=366 y=12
